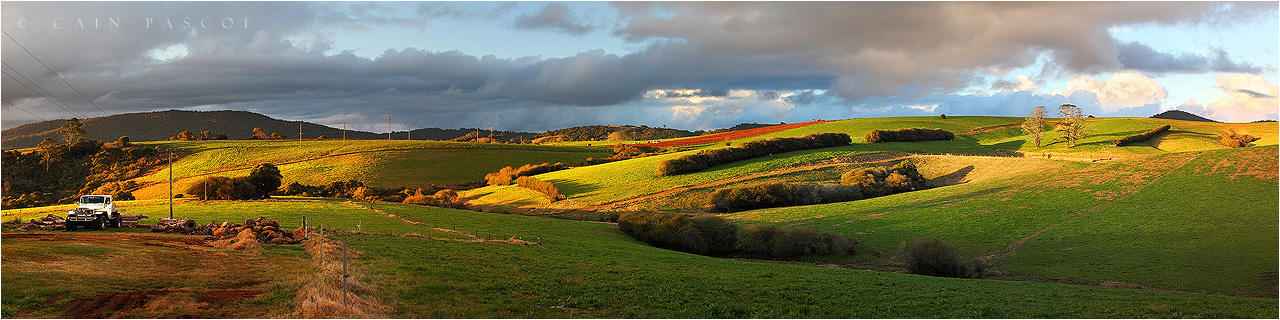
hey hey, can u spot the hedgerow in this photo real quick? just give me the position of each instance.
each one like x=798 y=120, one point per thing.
x=546 y=188
x=857 y=184
x=709 y=158
x=778 y=194
x=710 y=235
x=908 y=135
x=1141 y=136
x=507 y=174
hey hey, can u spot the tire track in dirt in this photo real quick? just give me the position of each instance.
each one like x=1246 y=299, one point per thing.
x=869 y=158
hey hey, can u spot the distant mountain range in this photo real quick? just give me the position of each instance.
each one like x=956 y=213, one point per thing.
x=1181 y=115
x=160 y=125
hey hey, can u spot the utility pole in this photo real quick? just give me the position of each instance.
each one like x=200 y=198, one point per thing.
x=299 y=130
x=170 y=184
x=388 y=127
x=409 y=126
x=344 y=130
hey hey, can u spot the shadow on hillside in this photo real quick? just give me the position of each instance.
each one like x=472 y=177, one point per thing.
x=572 y=188
x=951 y=179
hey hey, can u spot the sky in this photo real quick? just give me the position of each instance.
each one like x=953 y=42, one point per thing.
x=536 y=66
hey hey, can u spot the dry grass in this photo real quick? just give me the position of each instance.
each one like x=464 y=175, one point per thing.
x=322 y=295
x=245 y=240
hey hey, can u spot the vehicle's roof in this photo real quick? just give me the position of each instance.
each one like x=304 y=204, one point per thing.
x=96 y=195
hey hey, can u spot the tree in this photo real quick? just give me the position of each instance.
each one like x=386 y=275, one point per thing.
x=1034 y=124
x=265 y=178
x=50 y=151
x=185 y=135
x=71 y=130
x=206 y=135
x=1072 y=123
x=259 y=133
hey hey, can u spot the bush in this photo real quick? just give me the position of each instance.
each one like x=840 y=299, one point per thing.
x=1141 y=136
x=546 y=188
x=1235 y=140
x=261 y=182
x=759 y=148
x=712 y=235
x=444 y=198
x=932 y=257
x=768 y=195
x=908 y=135
x=882 y=181
x=505 y=175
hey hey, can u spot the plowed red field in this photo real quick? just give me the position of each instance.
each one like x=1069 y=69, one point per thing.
x=726 y=136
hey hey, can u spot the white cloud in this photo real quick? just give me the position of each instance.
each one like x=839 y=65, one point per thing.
x=1248 y=97
x=1123 y=90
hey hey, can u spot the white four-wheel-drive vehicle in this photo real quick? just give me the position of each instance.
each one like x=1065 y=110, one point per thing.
x=93 y=211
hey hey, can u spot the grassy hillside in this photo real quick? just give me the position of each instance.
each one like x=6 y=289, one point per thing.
x=161 y=125
x=1199 y=221
x=631 y=178
x=588 y=269
x=382 y=163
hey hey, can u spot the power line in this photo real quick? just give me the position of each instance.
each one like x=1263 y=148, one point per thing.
x=55 y=74
x=70 y=111
x=11 y=104
x=65 y=106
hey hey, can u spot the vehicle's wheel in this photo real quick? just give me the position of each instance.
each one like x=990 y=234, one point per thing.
x=115 y=223
x=69 y=226
x=102 y=223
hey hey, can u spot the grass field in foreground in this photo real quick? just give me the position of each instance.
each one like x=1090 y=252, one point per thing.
x=1201 y=221
x=589 y=269
x=381 y=163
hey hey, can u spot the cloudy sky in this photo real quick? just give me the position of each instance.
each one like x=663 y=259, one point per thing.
x=535 y=66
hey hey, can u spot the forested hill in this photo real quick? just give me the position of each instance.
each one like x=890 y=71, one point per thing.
x=160 y=125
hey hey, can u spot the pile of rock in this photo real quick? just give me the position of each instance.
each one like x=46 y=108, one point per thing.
x=183 y=226
x=46 y=223
x=262 y=229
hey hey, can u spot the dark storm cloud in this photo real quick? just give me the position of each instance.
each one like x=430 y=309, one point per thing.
x=1138 y=56
x=282 y=65
x=556 y=17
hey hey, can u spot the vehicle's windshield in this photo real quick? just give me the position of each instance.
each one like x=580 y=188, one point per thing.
x=93 y=200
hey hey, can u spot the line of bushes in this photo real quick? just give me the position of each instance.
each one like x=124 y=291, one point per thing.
x=543 y=187
x=261 y=182
x=445 y=198
x=624 y=152
x=1141 y=136
x=857 y=184
x=909 y=135
x=710 y=235
x=507 y=174
x=780 y=194
x=754 y=149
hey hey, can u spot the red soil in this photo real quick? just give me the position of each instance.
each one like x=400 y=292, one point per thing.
x=726 y=136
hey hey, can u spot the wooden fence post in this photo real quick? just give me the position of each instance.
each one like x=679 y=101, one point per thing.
x=345 y=275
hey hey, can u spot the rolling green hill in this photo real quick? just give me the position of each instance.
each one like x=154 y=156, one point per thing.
x=586 y=269
x=160 y=125
x=381 y=163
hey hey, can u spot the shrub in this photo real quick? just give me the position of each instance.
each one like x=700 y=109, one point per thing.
x=546 y=188
x=1141 y=136
x=715 y=236
x=1235 y=140
x=224 y=188
x=767 y=195
x=505 y=175
x=908 y=135
x=443 y=198
x=882 y=181
x=932 y=257
x=708 y=158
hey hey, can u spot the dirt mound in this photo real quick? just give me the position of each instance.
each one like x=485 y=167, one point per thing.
x=245 y=239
